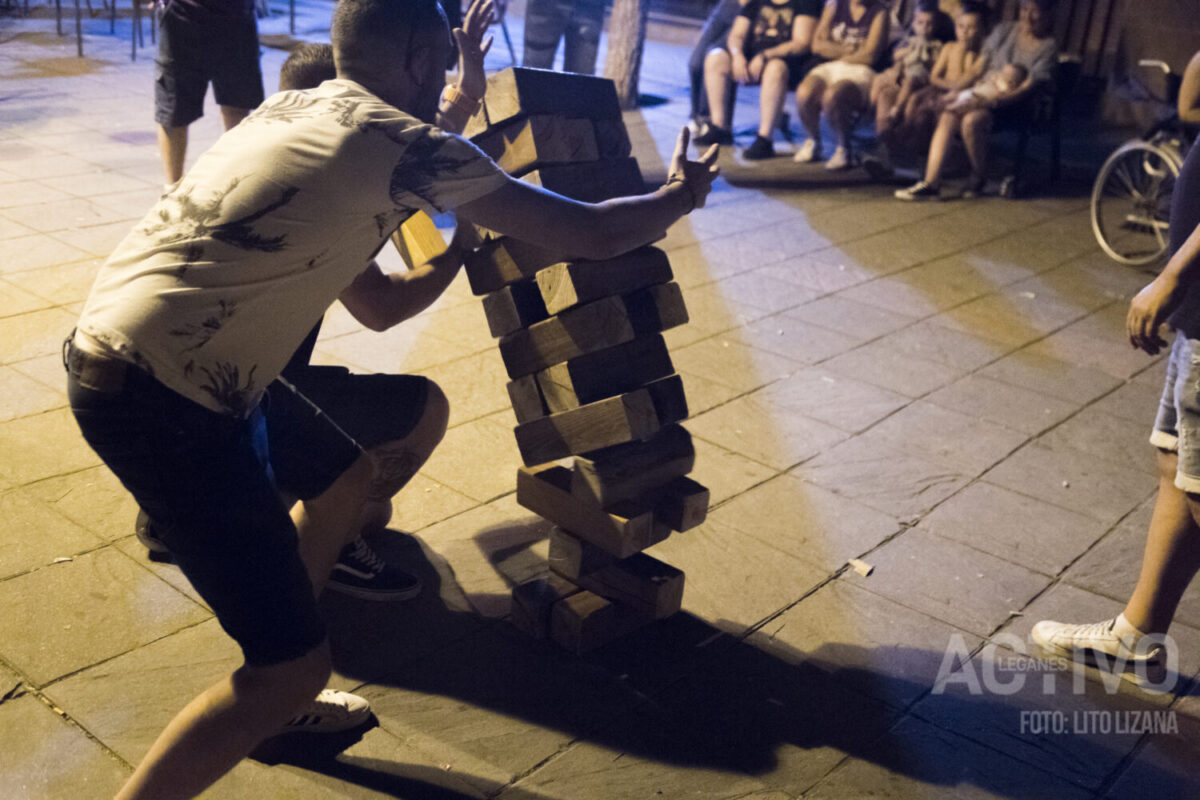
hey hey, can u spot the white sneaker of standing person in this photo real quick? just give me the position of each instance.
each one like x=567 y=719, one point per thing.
x=1113 y=644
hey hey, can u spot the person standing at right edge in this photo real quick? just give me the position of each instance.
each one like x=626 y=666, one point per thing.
x=1134 y=642
x=203 y=41
x=577 y=22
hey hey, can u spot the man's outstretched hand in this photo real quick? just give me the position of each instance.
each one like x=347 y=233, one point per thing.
x=472 y=47
x=697 y=176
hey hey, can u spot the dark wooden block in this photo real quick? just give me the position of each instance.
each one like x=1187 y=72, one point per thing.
x=670 y=403
x=526 y=399
x=499 y=262
x=613 y=420
x=605 y=373
x=612 y=140
x=630 y=471
x=680 y=505
x=525 y=144
x=593 y=326
x=571 y=283
x=591 y=182
x=585 y=620
x=533 y=602
x=522 y=91
x=639 y=581
x=621 y=531
x=515 y=306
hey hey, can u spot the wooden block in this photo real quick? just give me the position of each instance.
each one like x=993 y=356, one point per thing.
x=680 y=505
x=591 y=182
x=526 y=399
x=605 y=373
x=515 y=306
x=533 y=601
x=614 y=420
x=593 y=326
x=418 y=240
x=629 y=471
x=526 y=144
x=670 y=402
x=519 y=90
x=621 y=531
x=640 y=581
x=571 y=283
x=499 y=262
x=585 y=621
x=612 y=140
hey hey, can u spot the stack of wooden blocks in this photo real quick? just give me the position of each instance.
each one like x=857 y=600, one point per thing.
x=590 y=374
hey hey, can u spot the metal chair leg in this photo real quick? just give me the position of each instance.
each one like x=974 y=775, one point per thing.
x=292 y=17
x=78 y=29
x=58 y=16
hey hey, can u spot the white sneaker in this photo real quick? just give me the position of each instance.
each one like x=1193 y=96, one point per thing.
x=839 y=160
x=809 y=152
x=330 y=712
x=1105 y=645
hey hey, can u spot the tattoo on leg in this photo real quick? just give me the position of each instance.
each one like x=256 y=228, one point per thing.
x=395 y=466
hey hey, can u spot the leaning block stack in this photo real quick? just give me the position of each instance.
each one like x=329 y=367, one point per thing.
x=591 y=379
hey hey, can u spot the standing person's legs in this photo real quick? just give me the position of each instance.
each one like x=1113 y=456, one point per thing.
x=718 y=84
x=581 y=40
x=179 y=86
x=236 y=70
x=545 y=22
x=715 y=31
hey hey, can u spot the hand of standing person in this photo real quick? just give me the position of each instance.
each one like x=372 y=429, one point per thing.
x=1149 y=309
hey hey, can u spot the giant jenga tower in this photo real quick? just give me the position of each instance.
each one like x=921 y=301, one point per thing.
x=590 y=374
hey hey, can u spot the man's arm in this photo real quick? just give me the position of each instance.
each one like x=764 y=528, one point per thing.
x=1189 y=92
x=822 y=45
x=380 y=300
x=737 y=48
x=1153 y=305
x=596 y=230
x=803 y=27
x=872 y=47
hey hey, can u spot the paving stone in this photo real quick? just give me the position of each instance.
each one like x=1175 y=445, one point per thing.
x=767 y=433
x=960 y=441
x=15 y=300
x=1134 y=401
x=127 y=701
x=894 y=294
x=1073 y=480
x=645 y=753
x=35 y=535
x=893 y=481
x=37 y=333
x=1091 y=345
x=710 y=312
x=99 y=240
x=865 y=641
x=919 y=761
x=1011 y=406
x=1052 y=376
x=833 y=399
x=870 y=216
x=459 y=707
x=423 y=502
x=799 y=341
x=1154 y=374
x=860 y=320
x=1106 y=438
x=404 y=348
x=760 y=289
x=1011 y=317
x=1066 y=603
x=46 y=756
x=21 y=396
x=823 y=271
x=62 y=215
x=478 y=459
x=735 y=580
x=702 y=262
x=91 y=498
x=100 y=182
x=465 y=325
x=1018 y=528
x=881 y=364
x=20 y=192
x=701 y=393
x=1111 y=567
x=59 y=283
x=47 y=166
x=959 y=585
x=97 y=606
x=47 y=370
x=786 y=724
x=725 y=472
x=1165 y=765
x=474 y=386
x=806 y=521
x=733 y=362
x=32 y=448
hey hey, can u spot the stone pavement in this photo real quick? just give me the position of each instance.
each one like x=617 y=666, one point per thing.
x=941 y=390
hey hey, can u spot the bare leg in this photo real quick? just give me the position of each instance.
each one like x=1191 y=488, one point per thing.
x=220 y=727
x=842 y=103
x=976 y=125
x=939 y=148
x=231 y=116
x=1172 y=555
x=886 y=100
x=172 y=143
x=717 y=70
x=907 y=87
x=808 y=105
x=771 y=95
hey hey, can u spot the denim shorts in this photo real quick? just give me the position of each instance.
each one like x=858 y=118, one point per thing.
x=1177 y=426
x=220 y=50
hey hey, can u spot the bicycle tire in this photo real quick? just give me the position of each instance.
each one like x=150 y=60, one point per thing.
x=1131 y=201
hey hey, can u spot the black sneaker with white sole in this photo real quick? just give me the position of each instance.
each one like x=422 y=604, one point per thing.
x=360 y=572
x=330 y=712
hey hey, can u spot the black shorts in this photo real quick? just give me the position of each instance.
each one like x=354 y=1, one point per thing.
x=209 y=481
x=797 y=66
x=220 y=50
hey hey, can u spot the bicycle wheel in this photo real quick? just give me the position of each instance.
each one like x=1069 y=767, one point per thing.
x=1131 y=201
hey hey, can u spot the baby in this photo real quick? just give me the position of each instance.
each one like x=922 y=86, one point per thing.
x=913 y=57
x=992 y=85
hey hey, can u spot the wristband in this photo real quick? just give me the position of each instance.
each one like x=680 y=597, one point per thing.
x=460 y=100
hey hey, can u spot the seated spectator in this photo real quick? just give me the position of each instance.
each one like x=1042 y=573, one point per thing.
x=913 y=59
x=1029 y=43
x=716 y=30
x=769 y=45
x=853 y=34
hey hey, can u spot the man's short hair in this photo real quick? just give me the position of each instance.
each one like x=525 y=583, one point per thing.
x=307 y=67
x=365 y=30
